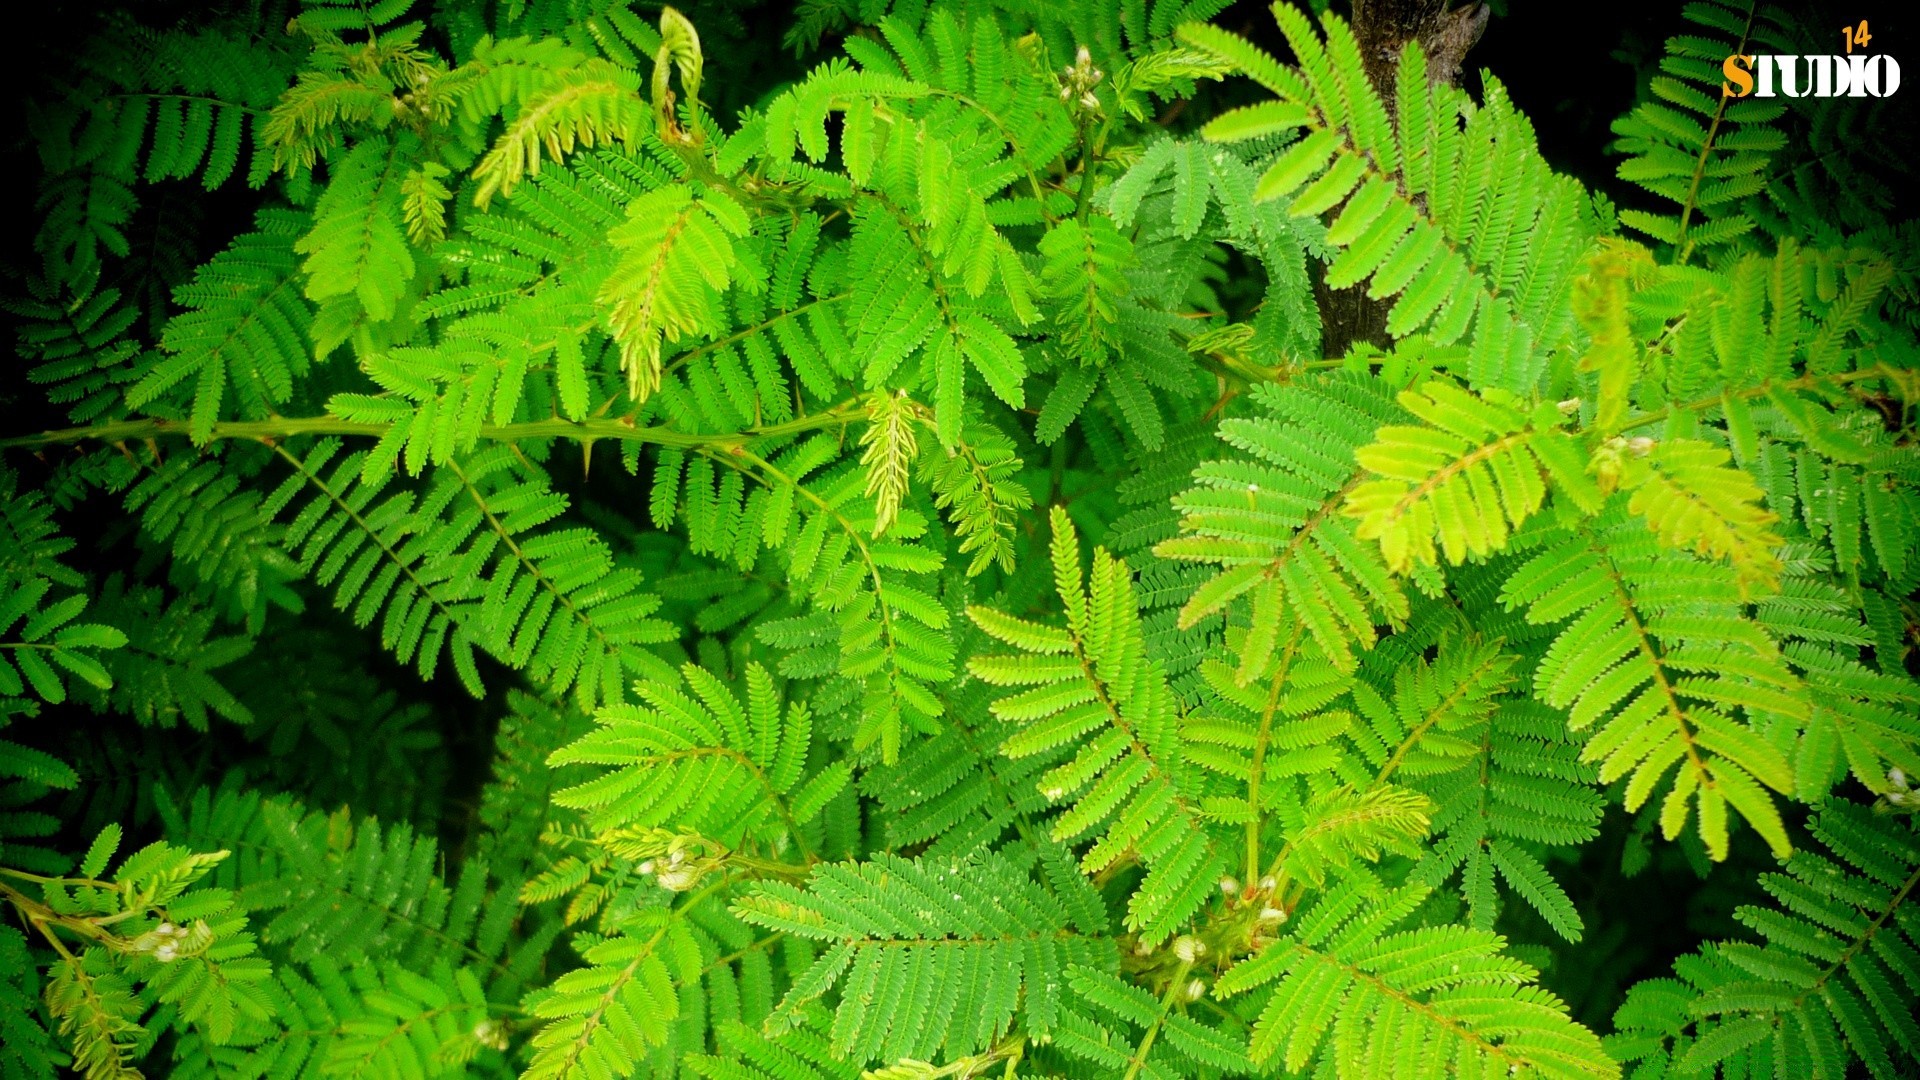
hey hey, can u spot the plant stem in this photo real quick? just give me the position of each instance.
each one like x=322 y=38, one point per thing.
x=118 y=431
x=1174 y=988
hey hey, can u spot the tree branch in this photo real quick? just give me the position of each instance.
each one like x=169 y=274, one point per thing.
x=622 y=429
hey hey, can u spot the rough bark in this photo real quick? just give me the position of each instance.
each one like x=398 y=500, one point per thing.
x=1383 y=28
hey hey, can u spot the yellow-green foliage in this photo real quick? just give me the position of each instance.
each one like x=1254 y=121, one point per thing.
x=634 y=564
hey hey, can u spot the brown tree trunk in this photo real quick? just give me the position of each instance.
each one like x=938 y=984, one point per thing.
x=1383 y=28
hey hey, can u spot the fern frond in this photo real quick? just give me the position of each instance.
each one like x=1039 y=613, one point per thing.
x=225 y=547
x=97 y=1013
x=617 y=1006
x=460 y=567
x=411 y=1024
x=1170 y=1039
x=1355 y=997
x=1695 y=145
x=976 y=485
x=423 y=203
x=1268 y=520
x=1085 y=273
x=1825 y=989
x=1343 y=826
x=152 y=937
x=1095 y=690
x=247 y=335
x=874 y=631
x=40 y=637
x=1693 y=500
x=75 y=334
x=166 y=672
x=1448 y=205
x=677 y=256
x=1523 y=788
x=590 y=104
x=928 y=958
x=27 y=1048
x=145 y=107
x=703 y=763
x=357 y=251
x=1482 y=464
x=327 y=886
x=517 y=806
x=890 y=446
x=802 y=1054
x=1660 y=655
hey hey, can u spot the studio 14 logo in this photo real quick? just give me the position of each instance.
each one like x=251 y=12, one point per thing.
x=1856 y=74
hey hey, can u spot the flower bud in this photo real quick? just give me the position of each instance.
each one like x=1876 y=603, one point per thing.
x=678 y=879
x=490 y=1033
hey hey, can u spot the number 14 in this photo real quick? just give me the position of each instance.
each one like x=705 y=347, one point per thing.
x=1856 y=36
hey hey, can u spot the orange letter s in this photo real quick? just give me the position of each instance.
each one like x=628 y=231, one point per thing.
x=1735 y=69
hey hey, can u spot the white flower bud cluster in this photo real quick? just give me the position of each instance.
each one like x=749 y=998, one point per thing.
x=677 y=861
x=166 y=942
x=1078 y=79
x=491 y=1034
x=1610 y=460
x=677 y=876
x=1899 y=794
x=1272 y=912
x=674 y=872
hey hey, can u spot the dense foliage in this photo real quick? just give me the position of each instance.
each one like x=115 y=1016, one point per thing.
x=580 y=555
